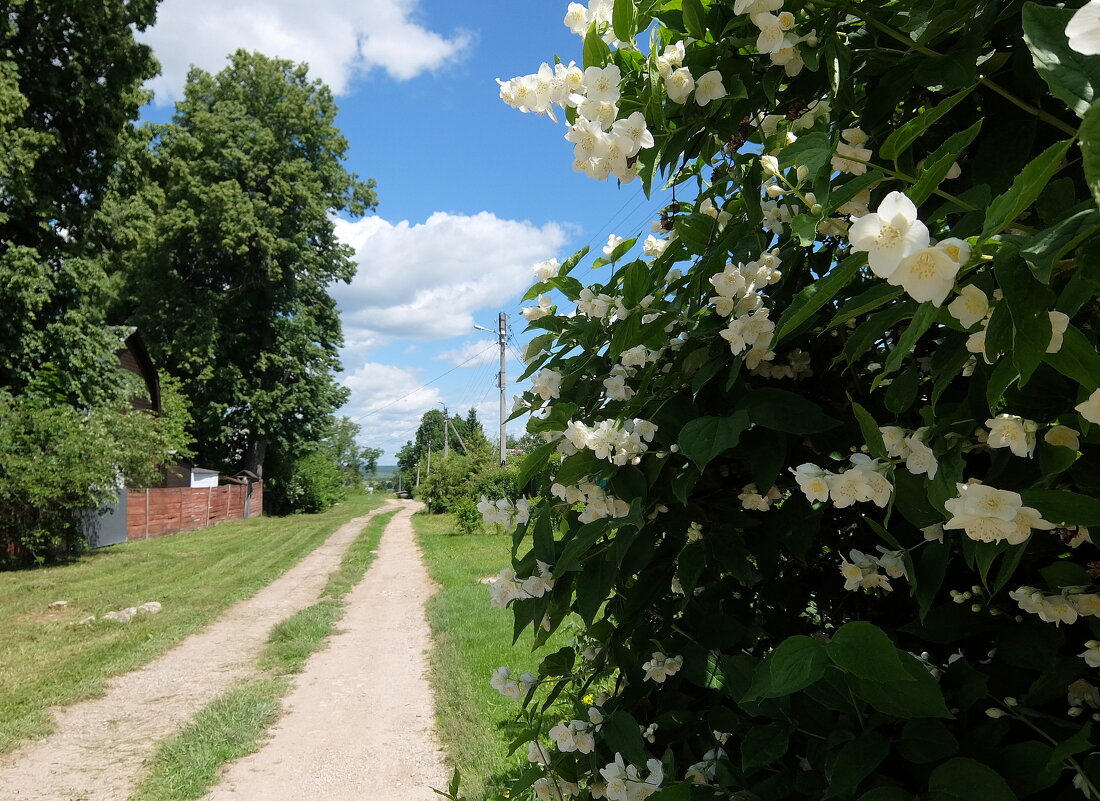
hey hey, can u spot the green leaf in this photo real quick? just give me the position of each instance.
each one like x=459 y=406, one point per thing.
x=596 y=51
x=864 y=302
x=922 y=320
x=919 y=698
x=900 y=140
x=534 y=462
x=1028 y=304
x=1026 y=767
x=797 y=663
x=570 y=264
x=887 y=794
x=925 y=741
x=559 y=663
x=780 y=410
x=1090 y=149
x=874 y=327
x=674 y=792
x=812 y=151
x=903 y=390
x=1081 y=741
x=1051 y=244
x=1077 y=359
x=967 y=779
x=856 y=760
x=804 y=226
x=1064 y=508
x=938 y=163
x=818 y=293
x=871 y=433
x=621 y=733
x=696 y=231
x=705 y=437
x=622 y=19
x=864 y=650
x=695 y=18
x=1025 y=189
x=763 y=745
x=839 y=195
x=577 y=467
x=1073 y=77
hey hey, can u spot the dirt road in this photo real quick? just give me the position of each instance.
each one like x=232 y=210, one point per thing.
x=96 y=753
x=359 y=724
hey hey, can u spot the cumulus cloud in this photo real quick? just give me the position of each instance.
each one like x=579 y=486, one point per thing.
x=425 y=281
x=339 y=39
x=472 y=354
x=387 y=402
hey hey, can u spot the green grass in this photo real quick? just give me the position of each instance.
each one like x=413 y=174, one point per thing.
x=47 y=660
x=471 y=639
x=186 y=766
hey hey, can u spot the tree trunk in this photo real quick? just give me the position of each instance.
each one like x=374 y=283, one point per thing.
x=254 y=456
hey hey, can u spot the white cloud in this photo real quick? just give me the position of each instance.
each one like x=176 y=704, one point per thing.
x=472 y=354
x=339 y=39
x=388 y=403
x=425 y=281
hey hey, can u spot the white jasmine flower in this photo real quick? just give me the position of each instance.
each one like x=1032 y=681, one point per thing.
x=709 y=87
x=1063 y=437
x=926 y=275
x=613 y=241
x=634 y=128
x=812 y=480
x=970 y=306
x=679 y=84
x=545 y=270
x=889 y=234
x=577 y=19
x=1090 y=408
x=546 y=384
x=1091 y=654
x=772 y=36
x=1012 y=432
x=543 y=309
x=602 y=83
x=538 y=753
x=695 y=532
x=893 y=437
x=1083 y=29
x=958 y=249
x=1059 y=322
x=920 y=460
x=659 y=667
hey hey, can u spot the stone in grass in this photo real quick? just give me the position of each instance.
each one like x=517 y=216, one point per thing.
x=122 y=615
x=88 y=619
x=59 y=604
x=128 y=614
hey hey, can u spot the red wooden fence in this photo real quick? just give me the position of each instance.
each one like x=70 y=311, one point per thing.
x=157 y=512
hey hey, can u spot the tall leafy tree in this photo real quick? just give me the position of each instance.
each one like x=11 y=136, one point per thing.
x=70 y=85
x=228 y=276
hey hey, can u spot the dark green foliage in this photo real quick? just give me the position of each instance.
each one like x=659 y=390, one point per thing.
x=225 y=216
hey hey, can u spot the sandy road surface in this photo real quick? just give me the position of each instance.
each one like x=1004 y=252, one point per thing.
x=97 y=750
x=358 y=725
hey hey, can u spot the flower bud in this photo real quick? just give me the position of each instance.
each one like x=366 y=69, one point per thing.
x=995 y=713
x=802 y=172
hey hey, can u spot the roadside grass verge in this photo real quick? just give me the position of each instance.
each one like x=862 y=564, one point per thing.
x=470 y=640
x=47 y=660
x=232 y=726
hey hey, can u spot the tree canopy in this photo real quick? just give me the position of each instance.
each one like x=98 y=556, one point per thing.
x=230 y=248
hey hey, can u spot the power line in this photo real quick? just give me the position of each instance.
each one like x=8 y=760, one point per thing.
x=422 y=386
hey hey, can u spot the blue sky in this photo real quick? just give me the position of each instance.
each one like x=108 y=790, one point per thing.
x=471 y=192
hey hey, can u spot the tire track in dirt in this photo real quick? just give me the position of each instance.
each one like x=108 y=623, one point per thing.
x=97 y=750
x=359 y=724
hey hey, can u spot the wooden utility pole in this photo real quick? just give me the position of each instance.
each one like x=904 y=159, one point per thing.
x=503 y=331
